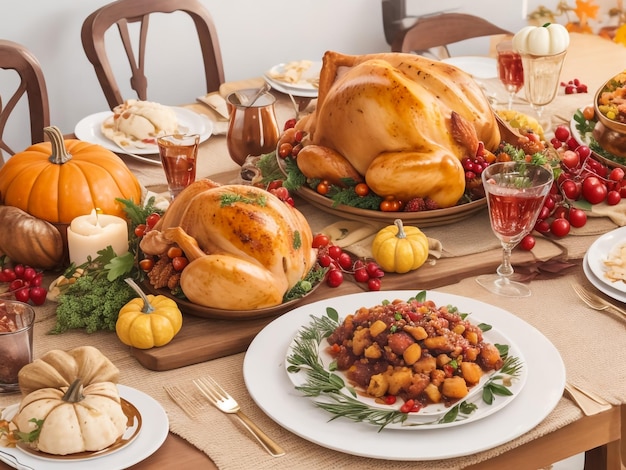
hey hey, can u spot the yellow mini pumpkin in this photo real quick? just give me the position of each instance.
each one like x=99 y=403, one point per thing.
x=59 y=180
x=148 y=321
x=400 y=249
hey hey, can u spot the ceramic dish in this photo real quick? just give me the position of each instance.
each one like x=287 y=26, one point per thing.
x=430 y=416
x=305 y=87
x=601 y=285
x=476 y=66
x=600 y=251
x=88 y=129
x=268 y=384
x=430 y=218
x=154 y=429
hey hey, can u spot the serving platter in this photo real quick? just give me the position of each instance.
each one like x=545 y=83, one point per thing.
x=429 y=218
x=154 y=428
x=221 y=314
x=269 y=386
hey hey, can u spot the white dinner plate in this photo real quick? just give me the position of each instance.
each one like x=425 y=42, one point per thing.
x=600 y=251
x=600 y=285
x=154 y=430
x=303 y=88
x=476 y=66
x=88 y=130
x=268 y=384
x=429 y=417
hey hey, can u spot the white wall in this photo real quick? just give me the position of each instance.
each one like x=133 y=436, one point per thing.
x=254 y=35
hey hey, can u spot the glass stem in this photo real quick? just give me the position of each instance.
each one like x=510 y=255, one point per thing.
x=505 y=270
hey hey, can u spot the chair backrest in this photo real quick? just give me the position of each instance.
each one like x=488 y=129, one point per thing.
x=123 y=12
x=394 y=14
x=434 y=33
x=14 y=56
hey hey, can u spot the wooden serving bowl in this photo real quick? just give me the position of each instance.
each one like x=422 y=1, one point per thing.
x=610 y=134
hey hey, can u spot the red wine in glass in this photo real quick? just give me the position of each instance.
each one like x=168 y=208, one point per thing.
x=510 y=69
x=515 y=194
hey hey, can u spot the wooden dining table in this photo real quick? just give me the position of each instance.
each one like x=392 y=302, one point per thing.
x=575 y=329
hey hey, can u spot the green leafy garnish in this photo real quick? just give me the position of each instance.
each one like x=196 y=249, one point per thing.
x=297 y=240
x=585 y=129
x=232 y=198
x=93 y=301
x=14 y=435
x=303 y=287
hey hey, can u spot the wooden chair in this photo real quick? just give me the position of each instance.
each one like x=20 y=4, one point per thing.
x=14 y=56
x=123 y=12
x=433 y=34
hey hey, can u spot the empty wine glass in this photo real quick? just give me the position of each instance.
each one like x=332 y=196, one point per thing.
x=510 y=69
x=542 y=75
x=515 y=194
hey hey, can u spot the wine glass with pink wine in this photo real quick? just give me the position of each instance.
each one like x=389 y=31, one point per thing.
x=510 y=70
x=515 y=193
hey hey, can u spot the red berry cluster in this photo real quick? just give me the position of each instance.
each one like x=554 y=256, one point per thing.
x=25 y=283
x=582 y=178
x=474 y=166
x=574 y=86
x=282 y=193
x=340 y=262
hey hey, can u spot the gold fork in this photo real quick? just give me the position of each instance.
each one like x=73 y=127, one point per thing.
x=224 y=402
x=596 y=302
x=189 y=404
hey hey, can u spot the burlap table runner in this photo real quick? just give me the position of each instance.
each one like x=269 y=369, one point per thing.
x=561 y=319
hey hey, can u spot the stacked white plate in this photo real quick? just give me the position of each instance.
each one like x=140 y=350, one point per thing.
x=594 y=267
x=306 y=87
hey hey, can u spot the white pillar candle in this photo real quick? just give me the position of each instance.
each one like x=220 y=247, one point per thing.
x=88 y=234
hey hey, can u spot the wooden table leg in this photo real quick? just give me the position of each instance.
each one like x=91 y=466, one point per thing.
x=601 y=431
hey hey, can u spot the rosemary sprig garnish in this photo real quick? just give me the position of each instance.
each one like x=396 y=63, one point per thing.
x=340 y=399
x=499 y=383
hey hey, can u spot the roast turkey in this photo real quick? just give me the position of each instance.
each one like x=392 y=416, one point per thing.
x=246 y=247
x=402 y=121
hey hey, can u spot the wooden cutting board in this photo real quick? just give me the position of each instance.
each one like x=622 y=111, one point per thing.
x=202 y=339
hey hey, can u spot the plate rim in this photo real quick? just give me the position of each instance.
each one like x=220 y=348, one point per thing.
x=300 y=93
x=272 y=392
x=155 y=429
x=598 y=284
x=315 y=65
x=86 y=128
x=596 y=266
x=201 y=311
x=423 y=218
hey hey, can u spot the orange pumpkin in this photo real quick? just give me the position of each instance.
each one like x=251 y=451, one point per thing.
x=62 y=179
